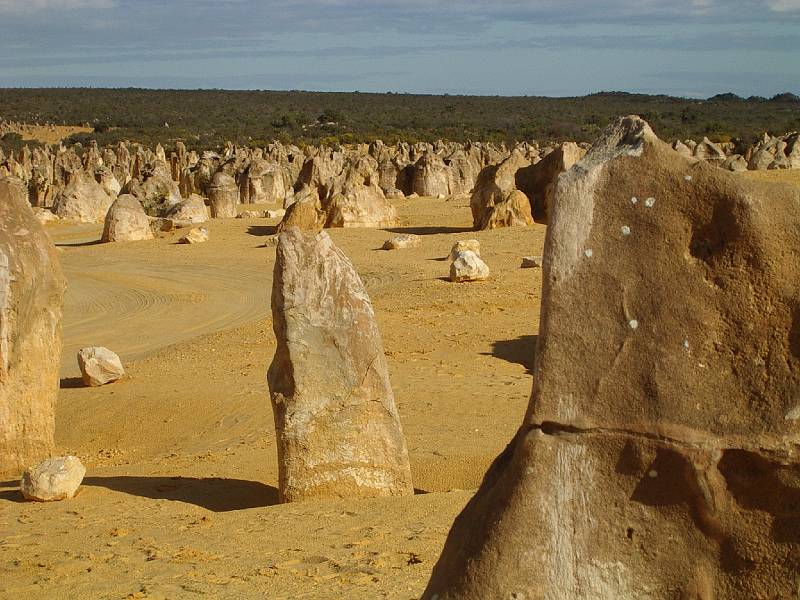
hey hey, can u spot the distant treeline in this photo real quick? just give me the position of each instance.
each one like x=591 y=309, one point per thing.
x=208 y=118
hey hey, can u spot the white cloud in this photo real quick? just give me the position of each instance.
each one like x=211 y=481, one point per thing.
x=784 y=5
x=28 y=6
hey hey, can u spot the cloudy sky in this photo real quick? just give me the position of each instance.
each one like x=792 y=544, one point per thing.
x=506 y=47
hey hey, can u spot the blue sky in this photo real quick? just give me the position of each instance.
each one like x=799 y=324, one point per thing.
x=506 y=47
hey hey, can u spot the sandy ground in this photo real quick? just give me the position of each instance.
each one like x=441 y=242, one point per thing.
x=180 y=500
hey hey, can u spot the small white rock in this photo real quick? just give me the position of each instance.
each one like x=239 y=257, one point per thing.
x=625 y=230
x=468 y=266
x=405 y=240
x=462 y=245
x=633 y=324
x=634 y=200
x=99 y=366
x=588 y=253
x=278 y=213
x=196 y=235
x=53 y=479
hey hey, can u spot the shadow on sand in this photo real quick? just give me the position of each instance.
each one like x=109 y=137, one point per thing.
x=521 y=350
x=429 y=230
x=262 y=230
x=212 y=493
x=79 y=244
x=72 y=382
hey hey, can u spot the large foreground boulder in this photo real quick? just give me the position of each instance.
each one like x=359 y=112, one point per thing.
x=339 y=433
x=658 y=456
x=31 y=290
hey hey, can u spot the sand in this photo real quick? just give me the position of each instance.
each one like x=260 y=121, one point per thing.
x=180 y=499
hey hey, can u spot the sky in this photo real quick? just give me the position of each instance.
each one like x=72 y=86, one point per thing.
x=692 y=48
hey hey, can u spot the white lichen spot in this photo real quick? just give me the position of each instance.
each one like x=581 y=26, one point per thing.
x=633 y=324
x=653 y=474
x=686 y=344
x=650 y=202
x=634 y=200
x=625 y=230
x=588 y=253
x=687 y=177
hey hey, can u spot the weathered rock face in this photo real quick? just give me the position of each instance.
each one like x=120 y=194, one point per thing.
x=361 y=206
x=126 y=221
x=538 y=181
x=157 y=192
x=83 y=200
x=223 y=196
x=339 y=433
x=657 y=458
x=191 y=210
x=304 y=213
x=430 y=176
x=494 y=188
x=31 y=290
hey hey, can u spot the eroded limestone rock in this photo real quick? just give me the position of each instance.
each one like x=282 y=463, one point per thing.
x=31 y=291
x=126 y=221
x=658 y=456
x=338 y=430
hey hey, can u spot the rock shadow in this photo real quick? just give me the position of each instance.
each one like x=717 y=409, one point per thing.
x=430 y=230
x=13 y=494
x=71 y=382
x=79 y=244
x=212 y=493
x=262 y=230
x=521 y=350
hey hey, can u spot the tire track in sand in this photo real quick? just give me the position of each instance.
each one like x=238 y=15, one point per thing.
x=136 y=309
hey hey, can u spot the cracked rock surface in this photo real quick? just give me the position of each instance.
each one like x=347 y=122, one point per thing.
x=659 y=454
x=338 y=430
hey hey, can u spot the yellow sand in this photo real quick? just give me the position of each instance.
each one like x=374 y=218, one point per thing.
x=179 y=497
